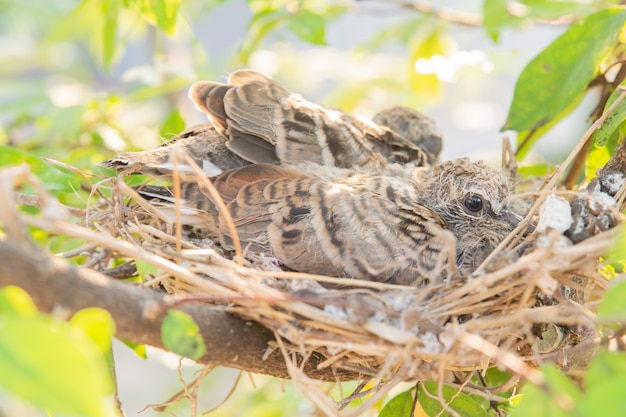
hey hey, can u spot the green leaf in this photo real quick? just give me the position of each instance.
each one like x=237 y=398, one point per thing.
x=426 y=45
x=110 y=13
x=460 y=402
x=259 y=26
x=309 y=26
x=160 y=13
x=399 y=406
x=173 y=125
x=555 y=399
x=605 y=399
x=613 y=120
x=496 y=17
x=597 y=158
x=551 y=9
x=399 y=32
x=181 y=335
x=52 y=365
x=52 y=177
x=145 y=268
x=562 y=71
x=99 y=326
x=16 y=300
x=605 y=366
x=613 y=305
x=139 y=349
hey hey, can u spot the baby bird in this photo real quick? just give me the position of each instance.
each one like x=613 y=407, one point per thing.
x=203 y=143
x=254 y=119
x=437 y=224
x=266 y=123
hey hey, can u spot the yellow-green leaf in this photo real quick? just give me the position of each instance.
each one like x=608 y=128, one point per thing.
x=16 y=300
x=556 y=399
x=52 y=365
x=181 y=335
x=613 y=305
x=173 y=125
x=613 y=120
x=100 y=327
x=496 y=17
x=160 y=13
x=309 y=26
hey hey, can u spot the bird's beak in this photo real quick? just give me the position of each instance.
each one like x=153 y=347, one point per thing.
x=513 y=219
x=510 y=217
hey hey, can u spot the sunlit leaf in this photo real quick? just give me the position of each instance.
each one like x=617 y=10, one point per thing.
x=605 y=380
x=551 y=9
x=460 y=402
x=110 y=14
x=100 y=327
x=401 y=32
x=605 y=366
x=139 y=349
x=555 y=399
x=532 y=171
x=613 y=305
x=597 y=158
x=181 y=335
x=52 y=365
x=16 y=300
x=399 y=406
x=160 y=13
x=426 y=46
x=52 y=177
x=259 y=26
x=496 y=17
x=613 y=120
x=562 y=71
x=145 y=268
x=173 y=125
x=309 y=26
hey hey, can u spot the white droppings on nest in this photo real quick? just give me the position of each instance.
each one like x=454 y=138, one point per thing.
x=555 y=213
x=336 y=312
x=545 y=241
x=388 y=332
x=601 y=201
x=401 y=302
x=431 y=343
x=379 y=316
x=613 y=181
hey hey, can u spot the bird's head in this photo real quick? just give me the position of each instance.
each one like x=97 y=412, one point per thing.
x=473 y=199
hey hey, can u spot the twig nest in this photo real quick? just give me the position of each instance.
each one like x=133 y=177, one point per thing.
x=555 y=213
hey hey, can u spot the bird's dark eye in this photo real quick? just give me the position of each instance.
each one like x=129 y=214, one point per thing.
x=473 y=203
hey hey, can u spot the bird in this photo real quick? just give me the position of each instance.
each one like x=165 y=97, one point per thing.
x=254 y=119
x=203 y=143
x=437 y=224
x=266 y=123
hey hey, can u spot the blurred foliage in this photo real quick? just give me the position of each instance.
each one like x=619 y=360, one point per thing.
x=80 y=80
x=61 y=367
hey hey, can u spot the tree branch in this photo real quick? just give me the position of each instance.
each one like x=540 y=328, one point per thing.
x=56 y=286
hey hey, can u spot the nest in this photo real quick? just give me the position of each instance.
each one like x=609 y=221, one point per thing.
x=532 y=301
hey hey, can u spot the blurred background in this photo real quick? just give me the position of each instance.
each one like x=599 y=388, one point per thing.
x=69 y=93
